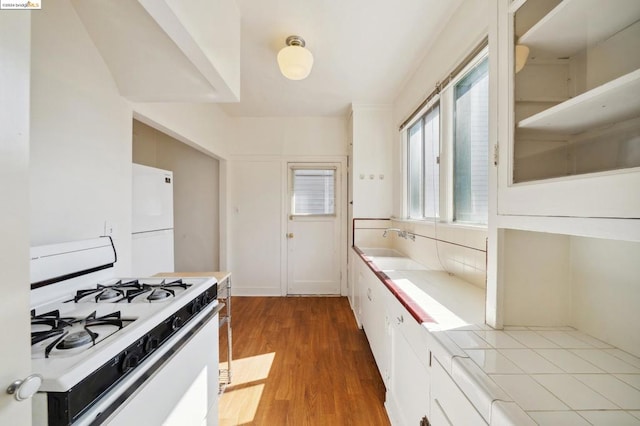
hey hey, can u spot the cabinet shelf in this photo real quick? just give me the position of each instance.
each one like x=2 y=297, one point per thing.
x=574 y=25
x=612 y=102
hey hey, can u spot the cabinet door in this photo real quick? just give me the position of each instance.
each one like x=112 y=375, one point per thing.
x=408 y=394
x=567 y=122
x=374 y=321
x=448 y=402
x=355 y=266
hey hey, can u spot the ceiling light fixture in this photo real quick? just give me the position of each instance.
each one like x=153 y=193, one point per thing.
x=295 y=61
x=522 y=54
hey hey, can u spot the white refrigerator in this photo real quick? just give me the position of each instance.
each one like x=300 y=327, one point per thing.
x=152 y=224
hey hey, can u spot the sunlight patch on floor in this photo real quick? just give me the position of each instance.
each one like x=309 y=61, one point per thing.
x=239 y=406
x=239 y=402
x=250 y=369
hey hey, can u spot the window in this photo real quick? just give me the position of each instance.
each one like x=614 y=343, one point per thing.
x=454 y=158
x=470 y=146
x=313 y=191
x=414 y=165
x=431 y=163
x=423 y=168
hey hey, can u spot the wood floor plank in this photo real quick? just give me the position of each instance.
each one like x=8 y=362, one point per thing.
x=300 y=361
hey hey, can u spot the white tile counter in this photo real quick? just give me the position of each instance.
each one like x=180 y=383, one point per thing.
x=555 y=375
x=520 y=375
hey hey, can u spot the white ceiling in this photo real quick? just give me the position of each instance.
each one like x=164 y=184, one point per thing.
x=364 y=51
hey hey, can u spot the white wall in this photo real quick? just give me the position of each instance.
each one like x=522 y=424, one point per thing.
x=372 y=139
x=256 y=234
x=289 y=136
x=605 y=288
x=256 y=207
x=15 y=360
x=537 y=288
x=80 y=137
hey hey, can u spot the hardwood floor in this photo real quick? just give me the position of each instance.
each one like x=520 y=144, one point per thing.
x=300 y=361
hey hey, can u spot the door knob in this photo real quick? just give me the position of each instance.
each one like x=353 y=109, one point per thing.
x=290 y=235
x=25 y=388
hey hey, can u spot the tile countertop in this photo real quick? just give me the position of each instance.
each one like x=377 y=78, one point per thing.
x=557 y=375
x=519 y=375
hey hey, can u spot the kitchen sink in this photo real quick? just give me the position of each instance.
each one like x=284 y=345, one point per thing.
x=381 y=252
x=397 y=264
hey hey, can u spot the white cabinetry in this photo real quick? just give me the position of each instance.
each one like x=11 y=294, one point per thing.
x=569 y=121
x=374 y=319
x=565 y=235
x=407 y=398
x=449 y=405
x=355 y=276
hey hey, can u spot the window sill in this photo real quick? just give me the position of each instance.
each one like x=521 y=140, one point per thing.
x=457 y=225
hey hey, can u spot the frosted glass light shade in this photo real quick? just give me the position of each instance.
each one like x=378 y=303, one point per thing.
x=522 y=54
x=295 y=62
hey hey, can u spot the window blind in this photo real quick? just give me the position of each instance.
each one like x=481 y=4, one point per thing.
x=313 y=192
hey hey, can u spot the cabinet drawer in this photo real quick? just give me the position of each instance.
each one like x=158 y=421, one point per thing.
x=449 y=405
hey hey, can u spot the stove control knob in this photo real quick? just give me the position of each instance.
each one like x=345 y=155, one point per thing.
x=129 y=362
x=206 y=297
x=151 y=344
x=196 y=306
x=176 y=323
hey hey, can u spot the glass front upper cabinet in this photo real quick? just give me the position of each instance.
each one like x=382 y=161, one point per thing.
x=576 y=88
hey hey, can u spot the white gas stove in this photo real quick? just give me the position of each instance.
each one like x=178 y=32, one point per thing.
x=97 y=339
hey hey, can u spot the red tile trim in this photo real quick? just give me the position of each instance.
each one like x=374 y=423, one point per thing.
x=414 y=309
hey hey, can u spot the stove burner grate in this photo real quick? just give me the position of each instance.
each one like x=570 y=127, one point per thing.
x=124 y=290
x=50 y=319
x=108 y=293
x=66 y=331
x=157 y=292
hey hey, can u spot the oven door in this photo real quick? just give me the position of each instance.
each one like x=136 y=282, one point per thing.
x=178 y=386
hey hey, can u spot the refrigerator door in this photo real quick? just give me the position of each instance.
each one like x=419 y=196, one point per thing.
x=152 y=199
x=152 y=252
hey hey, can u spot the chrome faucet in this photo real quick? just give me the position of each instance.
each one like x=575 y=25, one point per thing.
x=401 y=233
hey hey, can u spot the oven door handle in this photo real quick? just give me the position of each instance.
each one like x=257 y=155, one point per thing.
x=217 y=309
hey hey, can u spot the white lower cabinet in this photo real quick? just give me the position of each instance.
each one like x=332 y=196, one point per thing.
x=374 y=319
x=355 y=277
x=449 y=405
x=407 y=400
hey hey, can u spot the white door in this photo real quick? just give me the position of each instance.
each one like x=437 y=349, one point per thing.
x=314 y=228
x=15 y=355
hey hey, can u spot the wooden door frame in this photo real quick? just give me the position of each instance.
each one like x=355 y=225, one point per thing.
x=341 y=163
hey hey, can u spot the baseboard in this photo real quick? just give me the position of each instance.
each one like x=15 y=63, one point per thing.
x=255 y=291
